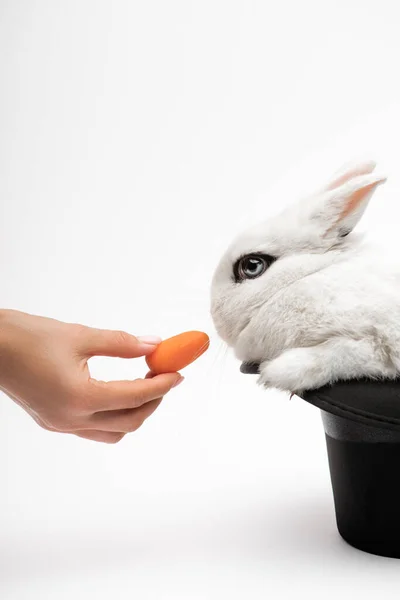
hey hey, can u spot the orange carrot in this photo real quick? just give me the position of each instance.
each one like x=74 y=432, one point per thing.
x=177 y=352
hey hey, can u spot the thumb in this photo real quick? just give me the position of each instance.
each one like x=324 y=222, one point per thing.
x=105 y=342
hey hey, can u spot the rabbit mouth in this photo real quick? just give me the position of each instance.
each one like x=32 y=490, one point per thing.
x=250 y=368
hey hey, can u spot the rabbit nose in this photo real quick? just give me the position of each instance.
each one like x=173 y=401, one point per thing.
x=249 y=368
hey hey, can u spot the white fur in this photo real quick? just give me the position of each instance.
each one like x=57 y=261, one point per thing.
x=329 y=308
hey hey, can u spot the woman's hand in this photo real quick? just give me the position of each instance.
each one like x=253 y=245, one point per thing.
x=43 y=367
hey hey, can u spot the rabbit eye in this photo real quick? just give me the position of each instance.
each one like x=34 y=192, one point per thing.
x=252 y=266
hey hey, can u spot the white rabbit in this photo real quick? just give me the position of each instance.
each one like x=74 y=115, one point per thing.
x=307 y=302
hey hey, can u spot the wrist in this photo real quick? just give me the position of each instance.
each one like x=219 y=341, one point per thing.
x=5 y=319
x=3 y=322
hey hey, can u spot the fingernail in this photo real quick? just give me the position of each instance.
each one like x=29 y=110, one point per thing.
x=178 y=381
x=151 y=340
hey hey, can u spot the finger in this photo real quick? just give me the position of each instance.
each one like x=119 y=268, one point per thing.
x=105 y=342
x=117 y=395
x=124 y=420
x=106 y=437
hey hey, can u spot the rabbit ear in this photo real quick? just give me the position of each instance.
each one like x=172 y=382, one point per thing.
x=340 y=209
x=350 y=171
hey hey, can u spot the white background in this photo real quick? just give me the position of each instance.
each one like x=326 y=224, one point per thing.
x=135 y=139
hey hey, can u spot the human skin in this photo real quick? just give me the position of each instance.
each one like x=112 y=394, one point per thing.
x=44 y=369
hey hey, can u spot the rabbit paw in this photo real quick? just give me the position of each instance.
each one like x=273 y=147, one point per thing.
x=296 y=371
